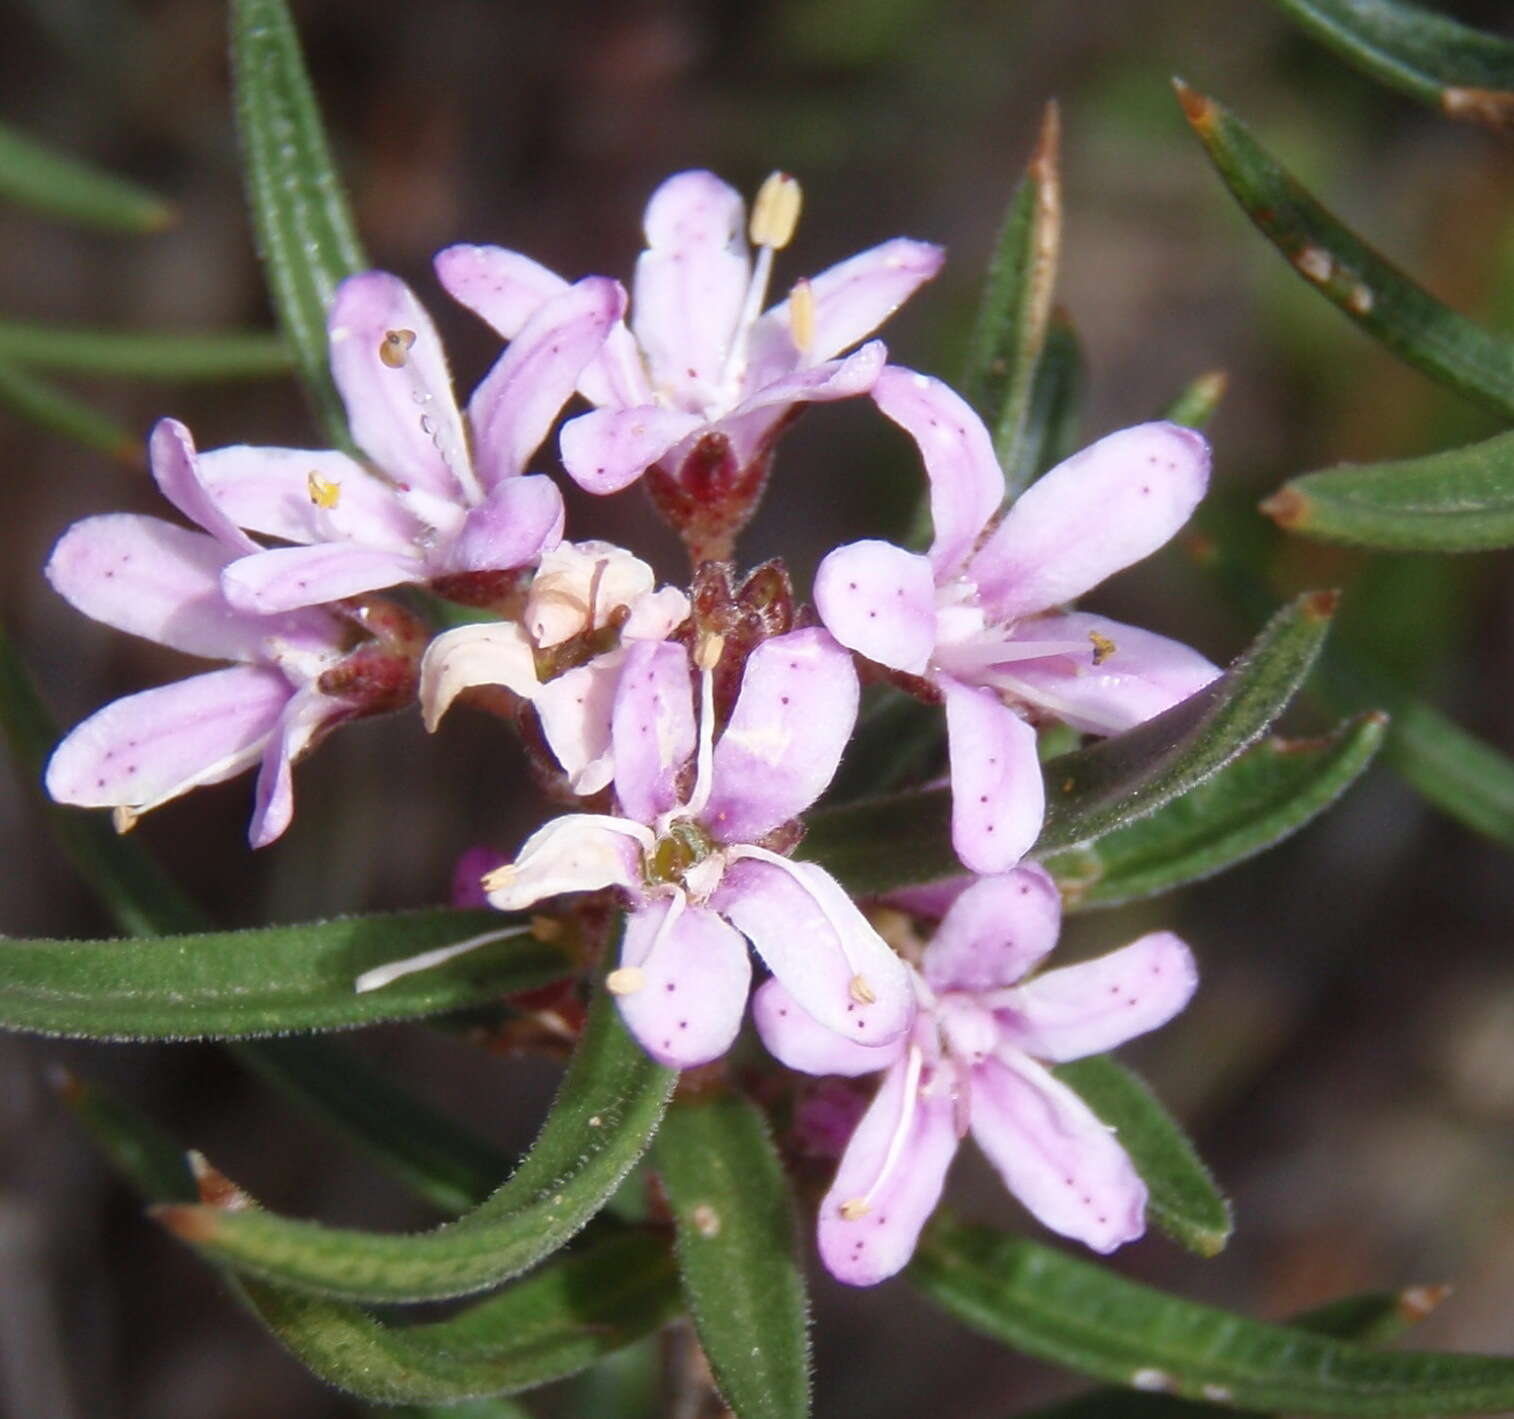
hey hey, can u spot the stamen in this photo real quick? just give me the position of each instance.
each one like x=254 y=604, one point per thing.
x=861 y=991
x=323 y=493
x=857 y=1207
x=802 y=316
x=595 y=578
x=394 y=348
x=1103 y=647
x=775 y=213
x=123 y=819
x=707 y=657
x=626 y=981
x=381 y=976
x=547 y=929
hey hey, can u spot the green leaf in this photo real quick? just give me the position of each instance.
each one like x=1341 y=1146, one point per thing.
x=881 y=843
x=1086 y=1318
x=554 y=1323
x=601 y=1122
x=144 y=354
x=1183 y=1199
x=1385 y=302
x=34 y=176
x=1461 y=500
x=468 y=1409
x=232 y=984
x=898 y=738
x=1200 y=401
x=148 y=1159
x=44 y=404
x=737 y=1253
x=304 y=228
x=1461 y=71
x=1050 y=432
x=1265 y=795
x=1115 y=781
x=1014 y=313
x=435 y=1157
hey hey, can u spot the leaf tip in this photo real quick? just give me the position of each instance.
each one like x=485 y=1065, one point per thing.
x=1320 y=605
x=1211 y=1241
x=1494 y=108
x=1045 y=159
x=1199 y=110
x=189 y=1222
x=1287 y=507
x=160 y=217
x=1416 y=1302
x=69 y=1087
x=216 y=1189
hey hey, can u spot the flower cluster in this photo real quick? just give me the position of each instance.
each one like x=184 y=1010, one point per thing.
x=689 y=731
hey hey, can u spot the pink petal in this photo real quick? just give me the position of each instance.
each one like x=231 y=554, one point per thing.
x=780 y=749
x=863 y=1250
x=489 y=653
x=998 y=797
x=576 y=710
x=521 y=397
x=396 y=388
x=652 y=728
x=691 y=284
x=1093 y=515
x=880 y=601
x=289 y=577
x=499 y=286
x=578 y=852
x=966 y=484
x=1096 y=1005
x=795 y=1039
x=268 y=491
x=852 y=299
x=609 y=449
x=994 y=932
x=152 y=579
x=273 y=808
x=835 y=379
x=148 y=748
x=1142 y=676
x=176 y=471
x=1062 y=1163
x=695 y=975
x=820 y=946
x=519 y=520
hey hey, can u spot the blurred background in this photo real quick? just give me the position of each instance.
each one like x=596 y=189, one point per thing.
x=1347 y=1068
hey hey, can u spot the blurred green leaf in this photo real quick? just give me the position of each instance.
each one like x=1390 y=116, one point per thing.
x=40 y=402
x=1183 y=1198
x=1196 y=405
x=144 y=354
x=737 y=1253
x=1086 y=1318
x=1461 y=71
x=1385 y=302
x=230 y=984
x=1264 y=796
x=1050 y=432
x=34 y=176
x=152 y=1162
x=304 y=228
x=601 y=1122
x=1461 y=500
x=435 y=1157
x=1014 y=311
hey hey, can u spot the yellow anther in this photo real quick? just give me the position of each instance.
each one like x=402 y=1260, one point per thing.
x=775 y=213
x=499 y=879
x=626 y=981
x=323 y=494
x=1103 y=647
x=123 y=819
x=547 y=928
x=855 y=1209
x=861 y=991
x=394 y=348
x=709 y=650
x=802 y=316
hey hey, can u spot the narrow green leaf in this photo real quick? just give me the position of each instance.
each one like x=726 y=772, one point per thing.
x=232 y=984
x=1092 y=791
x=1014 y=312
x=304 y=228
x=1385 y=302
x=877 y=844
x=35 y=176
x=40 y=402
x=737 y=1253
x=1183 y=1199
x=1086 y=1318
x=1050 y=431
x=144 y=354
x=1461 y=71
x=1461 y=500
x=601 y=1122
x=435 y=1157
x=148 y=1159
x=1200 y=401
x=1265 y=795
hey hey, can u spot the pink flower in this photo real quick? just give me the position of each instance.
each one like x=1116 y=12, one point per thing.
x=700 y=357
x=694 y=860
x=976 y=1061
x=978 y=616
x=296 y=673
x=443 y=495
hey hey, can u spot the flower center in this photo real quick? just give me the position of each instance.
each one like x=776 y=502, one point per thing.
x=683 y=846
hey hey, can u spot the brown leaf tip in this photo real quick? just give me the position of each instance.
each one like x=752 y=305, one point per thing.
x=1320 y=605
x=1287 y=507
x=1044 y=160
x=195 y=1225
x=1416 y=1302
x=216 y=1189
x=1493 y=107
x=1199 y=110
